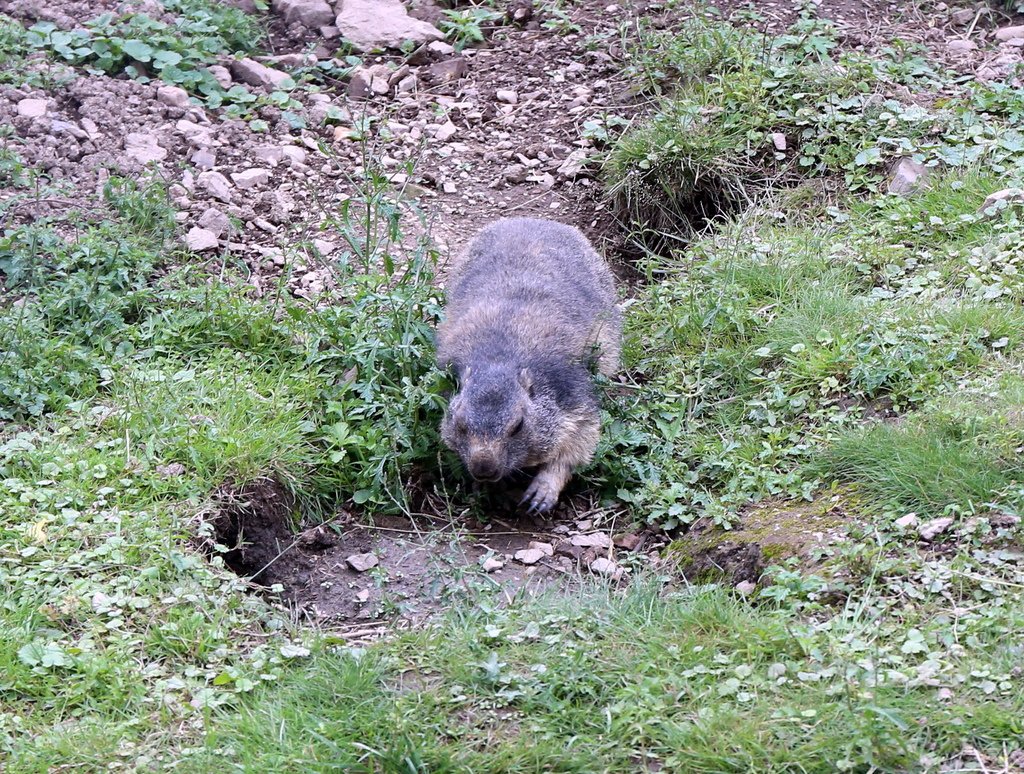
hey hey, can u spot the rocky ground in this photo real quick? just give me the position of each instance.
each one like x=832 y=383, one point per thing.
x=510 y=126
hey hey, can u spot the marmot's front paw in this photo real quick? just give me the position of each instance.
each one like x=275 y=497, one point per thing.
x=543 y=491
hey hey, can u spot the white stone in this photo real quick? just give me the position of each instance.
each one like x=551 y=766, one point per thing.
x=375 y=24
x=215 y=184
x=779 y=141
x=507 y=96
x=932 y=529
x=143 y=148
x=309 y=13
x=574 y=164
x=957 y=46
x=32 y=108
x=255 y=74
x=200 y=239
x=593 y=540
x=1010 y=33
x=215 y=221
x=250 y=178
x=362 y=562
x=445 y=131
x=605 y=567
x=1009 y=195
x=907 y=176
x=490 y=564
x=173 y=96
x=529 y=555
x=204 y=158
x=221 y=75
x=546 y=548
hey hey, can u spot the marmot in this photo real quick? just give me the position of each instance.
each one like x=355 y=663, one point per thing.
x=530 y=306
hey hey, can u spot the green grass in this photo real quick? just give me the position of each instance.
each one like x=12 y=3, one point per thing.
x=757 y=359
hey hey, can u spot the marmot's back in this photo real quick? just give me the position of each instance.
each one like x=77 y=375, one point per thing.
x=542 y=282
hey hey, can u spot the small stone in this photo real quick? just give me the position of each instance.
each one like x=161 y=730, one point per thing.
x=449 y=187
x=779 y=141
x=215 y=184
x=173 y=96
x=255 y=74
x=359 y=83
x=627 y=541
x=32 y=108
x=1010 y=33
x=546 y=548
x=445 y=131
x=379 y=85
x=910 y=521
x=171 y=470
x=448 y=71
x=296 y=156
x=324 y=246
x=363 y=595
x=368 y=25
x=906 y=176
x=215 y=221
x=204 y=158
x=992 y=203
x=605 y=567
x=593 y=540
x=529 y=555
x=490 y=564
x=745 y=588
x=221 y=75
x=308 y=13
x=329 y=32
x=250 y=178
x=407 y=84
x=507 y=96
x=362 y=562
x=272 y=155
x=963 y=16
x=514 y=174
x=566 y=548
x=573 y=164
x=200 y=239
x=545 y=181
x=957 y=46
x=932 y=529
x=143 y=148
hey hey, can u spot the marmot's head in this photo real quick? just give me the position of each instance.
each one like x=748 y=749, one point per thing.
x=491 y=422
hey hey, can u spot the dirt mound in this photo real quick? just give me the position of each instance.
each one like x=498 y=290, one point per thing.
x=348 y=571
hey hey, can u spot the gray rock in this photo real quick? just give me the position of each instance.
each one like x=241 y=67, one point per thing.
x=593 y=540
x=574 y=164
x=546 y=548
x=250 y=178
x=204 y=158
x=448 y=71
x=907 y=176
x=445 y=131
x=529 y=555
x=993 y=202
x=296 y=156
x=200 y=239
x=507 y=96
x=143 y=148
x=910 y=521
x=255 y=74
x=172 y=96
x=215 y=221
x=221 y=75
x=369 y=25
x=271 y=155
x=490 y=564
x=308 y=13
x=779 y=141
x=1010 y=33
x=605 y=567
x=32 y=108
x=932 y=529
x=957 y=46
x=215 y=184
x=362 y=562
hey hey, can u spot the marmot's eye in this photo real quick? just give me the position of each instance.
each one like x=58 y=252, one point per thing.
x=517 y=427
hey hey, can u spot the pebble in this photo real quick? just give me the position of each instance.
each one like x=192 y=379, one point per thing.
x=215 y=184
x=932 y=529
x=490 y=564
x=173 y=96
x=445 y=131
x=906 y=176
x=779 y=141
x=250 y=178
x=200 y=239
x=215 y=221
x=507 y=96
x=546 y=548
x=957 y=46
x=593 y=540
x=362 y=562
x=910 y=521
x=204 y=159
x=529 y=555
x=605 y=567
x=143 y=148
x=32 y=108
x=1010 y=33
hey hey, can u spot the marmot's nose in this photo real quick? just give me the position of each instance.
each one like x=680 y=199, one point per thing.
x=484 y=469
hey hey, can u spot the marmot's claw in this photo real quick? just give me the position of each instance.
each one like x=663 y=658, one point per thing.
x=541 y=496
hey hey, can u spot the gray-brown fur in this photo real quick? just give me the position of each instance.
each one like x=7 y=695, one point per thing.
x=530 y=306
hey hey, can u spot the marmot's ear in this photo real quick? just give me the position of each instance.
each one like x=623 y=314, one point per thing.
x=459 y=371
x=526 y=380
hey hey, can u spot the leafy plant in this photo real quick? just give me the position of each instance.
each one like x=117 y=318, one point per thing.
x=465 y=26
